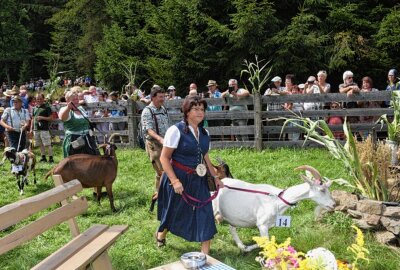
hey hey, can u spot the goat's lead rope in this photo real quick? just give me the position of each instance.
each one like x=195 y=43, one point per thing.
x=19 y=141
x=189 y=199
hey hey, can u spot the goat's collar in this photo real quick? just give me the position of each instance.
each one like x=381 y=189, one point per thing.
x=20 y=158
x=280 y=196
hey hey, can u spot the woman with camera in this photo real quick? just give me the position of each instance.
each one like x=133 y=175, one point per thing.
x=78 y=139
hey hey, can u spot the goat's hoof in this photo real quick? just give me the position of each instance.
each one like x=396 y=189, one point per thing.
x=21 y=192
x=114 y=210
x=218 y=218
x=34 y=181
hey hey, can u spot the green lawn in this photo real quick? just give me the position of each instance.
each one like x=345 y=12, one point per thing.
x=132 y=191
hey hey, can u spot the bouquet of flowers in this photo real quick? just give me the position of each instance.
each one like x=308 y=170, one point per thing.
x=283 y=256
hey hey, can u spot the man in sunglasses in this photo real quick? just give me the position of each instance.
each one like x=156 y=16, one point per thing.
x=348 y=86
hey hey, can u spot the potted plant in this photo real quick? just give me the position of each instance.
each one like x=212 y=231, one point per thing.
x=393 y=125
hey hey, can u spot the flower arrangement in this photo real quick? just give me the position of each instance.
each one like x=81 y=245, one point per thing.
x=277 y=256
x=283 y=256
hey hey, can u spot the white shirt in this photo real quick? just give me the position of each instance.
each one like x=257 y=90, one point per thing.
x=90 y=98
x=173 y=135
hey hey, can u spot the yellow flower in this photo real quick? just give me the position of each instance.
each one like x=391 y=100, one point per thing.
x=358 y=249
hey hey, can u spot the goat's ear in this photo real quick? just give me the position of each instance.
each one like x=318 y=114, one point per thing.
x=306 y=179
x=328 y=184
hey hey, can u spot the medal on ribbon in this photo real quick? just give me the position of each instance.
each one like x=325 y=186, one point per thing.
x=201 y=169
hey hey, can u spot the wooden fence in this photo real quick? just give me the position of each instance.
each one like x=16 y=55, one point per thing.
x=261 y=132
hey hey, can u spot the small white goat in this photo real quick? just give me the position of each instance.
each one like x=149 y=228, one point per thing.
x=248 y=209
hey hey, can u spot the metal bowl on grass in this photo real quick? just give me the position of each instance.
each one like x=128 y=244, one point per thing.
x=193 y=260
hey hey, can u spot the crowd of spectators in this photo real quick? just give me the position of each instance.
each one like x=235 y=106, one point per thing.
x=313 y=85
x=319 y=85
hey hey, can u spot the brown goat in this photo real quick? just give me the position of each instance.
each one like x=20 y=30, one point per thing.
x=90 y=170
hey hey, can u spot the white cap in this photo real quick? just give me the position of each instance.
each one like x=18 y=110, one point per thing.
x=171 y=87
x=276 y=79
x=311 y=79
x=302 y=85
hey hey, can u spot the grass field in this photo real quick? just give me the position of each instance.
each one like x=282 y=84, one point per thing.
x=132 y=191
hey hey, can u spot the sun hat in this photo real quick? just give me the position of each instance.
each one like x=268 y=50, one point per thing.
x=16 y=98
x=7 y=93
x=14 y=90
x=211 y=83
x=392 y=72
x=276 y=79
x=311 y=79
x=114 y=94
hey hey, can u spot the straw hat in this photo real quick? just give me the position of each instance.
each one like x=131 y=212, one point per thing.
x=14 y=90
x=7 y=93
x=1 y=109
x=17 y=98
x=211 y=83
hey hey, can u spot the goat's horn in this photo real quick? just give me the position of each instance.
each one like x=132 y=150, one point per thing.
x=111 y=139
x=312 y=170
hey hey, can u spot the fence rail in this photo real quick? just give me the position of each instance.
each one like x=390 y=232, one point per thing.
x=260 y=126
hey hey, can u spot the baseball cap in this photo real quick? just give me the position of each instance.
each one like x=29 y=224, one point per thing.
x=276 y=79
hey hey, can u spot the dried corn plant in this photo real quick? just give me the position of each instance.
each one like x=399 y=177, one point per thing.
x=367 y=164
x=375 y=162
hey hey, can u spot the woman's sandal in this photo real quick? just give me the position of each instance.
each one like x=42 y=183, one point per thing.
x=160 y=242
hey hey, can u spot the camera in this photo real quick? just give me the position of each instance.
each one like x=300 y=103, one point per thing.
x=231 y=89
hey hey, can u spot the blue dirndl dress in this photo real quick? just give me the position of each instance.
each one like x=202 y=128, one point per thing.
x=175 y=215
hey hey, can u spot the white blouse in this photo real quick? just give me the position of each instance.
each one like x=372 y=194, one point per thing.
x=173 y=135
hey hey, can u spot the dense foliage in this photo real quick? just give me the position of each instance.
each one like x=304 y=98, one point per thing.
x=180 y=41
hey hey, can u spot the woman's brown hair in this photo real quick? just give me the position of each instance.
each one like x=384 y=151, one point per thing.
x=187 y=105
x=369 y=80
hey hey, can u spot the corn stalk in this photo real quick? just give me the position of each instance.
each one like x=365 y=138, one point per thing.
x=130 y=73
x=318 y=131
x=255 y=71
x=393 y=124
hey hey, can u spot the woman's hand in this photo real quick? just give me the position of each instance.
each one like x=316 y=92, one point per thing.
x=70 y=105
x=177 y=185
x=219 y=183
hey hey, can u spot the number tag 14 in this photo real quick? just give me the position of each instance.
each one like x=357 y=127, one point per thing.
x=282 y=221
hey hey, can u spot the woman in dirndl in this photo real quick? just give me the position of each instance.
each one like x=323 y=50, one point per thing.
x=185 y=160
x=76 y=125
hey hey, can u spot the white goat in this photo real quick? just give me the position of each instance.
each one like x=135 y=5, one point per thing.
x=249 y=209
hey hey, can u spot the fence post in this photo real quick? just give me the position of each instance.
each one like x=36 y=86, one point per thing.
x=132 y=122
x=258 y=127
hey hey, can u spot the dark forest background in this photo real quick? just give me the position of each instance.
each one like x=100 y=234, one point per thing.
x=182 y=41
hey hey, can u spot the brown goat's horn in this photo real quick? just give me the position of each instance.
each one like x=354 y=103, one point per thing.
x=312 y=170
x=111 y=139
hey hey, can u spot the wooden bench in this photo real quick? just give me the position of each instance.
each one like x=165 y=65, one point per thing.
x=85 y=249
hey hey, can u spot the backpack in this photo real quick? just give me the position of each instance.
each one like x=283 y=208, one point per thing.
x=141 y=135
